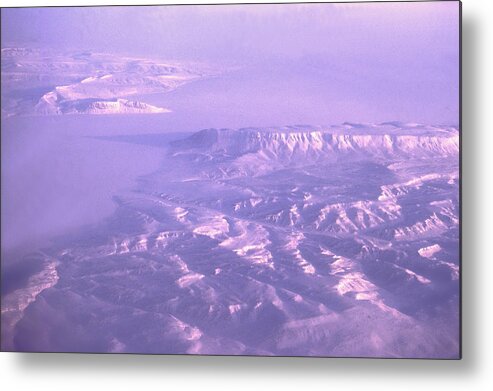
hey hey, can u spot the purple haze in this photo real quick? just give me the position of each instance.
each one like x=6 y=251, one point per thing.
x=173 y=181
x=378 y=61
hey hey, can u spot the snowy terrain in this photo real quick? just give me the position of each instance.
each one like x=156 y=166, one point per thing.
x=46 y=82
x=298 y=240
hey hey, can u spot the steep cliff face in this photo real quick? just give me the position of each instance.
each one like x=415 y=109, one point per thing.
x=50 y=104
x=313 y=143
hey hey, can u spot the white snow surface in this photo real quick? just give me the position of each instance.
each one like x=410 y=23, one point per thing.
x=46 y=82
x=301 y=240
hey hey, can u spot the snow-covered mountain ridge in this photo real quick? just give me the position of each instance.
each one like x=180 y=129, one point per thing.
x=90 y=106
x=315 y=141
x=49 y=82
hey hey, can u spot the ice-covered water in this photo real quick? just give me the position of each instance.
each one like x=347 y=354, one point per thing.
x=57 y=176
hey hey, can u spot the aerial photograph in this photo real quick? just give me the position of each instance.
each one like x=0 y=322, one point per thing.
x=241 y=179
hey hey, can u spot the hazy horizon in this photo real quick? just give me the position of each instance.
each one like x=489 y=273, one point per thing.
x=241 y=179
x=390 y=61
